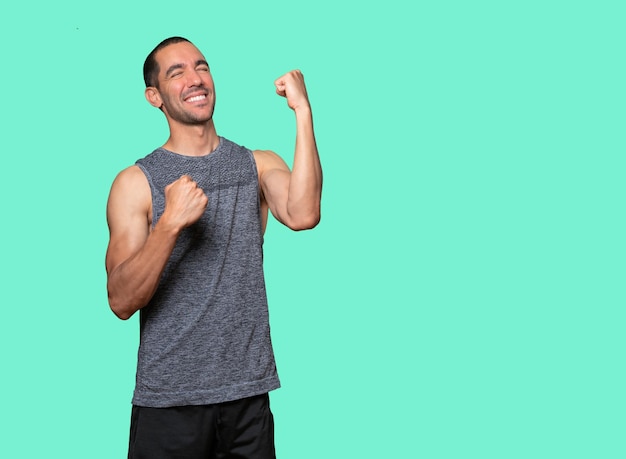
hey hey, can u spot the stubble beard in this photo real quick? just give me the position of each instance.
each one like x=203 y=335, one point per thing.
x=187 y=117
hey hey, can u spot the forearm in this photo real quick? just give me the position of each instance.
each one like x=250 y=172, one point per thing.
x=132 y=283
x=305 y=185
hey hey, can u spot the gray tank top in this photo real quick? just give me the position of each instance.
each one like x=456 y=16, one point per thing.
x=205 y=335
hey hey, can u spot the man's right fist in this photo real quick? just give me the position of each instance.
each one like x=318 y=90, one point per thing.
x=185 y=202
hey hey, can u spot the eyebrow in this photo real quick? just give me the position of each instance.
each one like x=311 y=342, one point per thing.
x=180 y=66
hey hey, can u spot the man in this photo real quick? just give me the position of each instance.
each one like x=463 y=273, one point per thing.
x=186 y=231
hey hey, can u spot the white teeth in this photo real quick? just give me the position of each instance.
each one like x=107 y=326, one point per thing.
x=196 y=98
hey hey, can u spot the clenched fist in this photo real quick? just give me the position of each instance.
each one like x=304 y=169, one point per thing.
x=291 y=86
x=185 y=203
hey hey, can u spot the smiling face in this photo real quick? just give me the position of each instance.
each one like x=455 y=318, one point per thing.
x=184 y=89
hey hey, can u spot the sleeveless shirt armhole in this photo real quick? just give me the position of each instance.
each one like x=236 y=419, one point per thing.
x=258 y=186
x=152 y=188
x=256 y=171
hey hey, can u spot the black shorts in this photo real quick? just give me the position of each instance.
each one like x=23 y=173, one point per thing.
x=242 y=429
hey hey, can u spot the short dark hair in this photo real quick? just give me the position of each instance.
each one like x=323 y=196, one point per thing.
x=151 y=66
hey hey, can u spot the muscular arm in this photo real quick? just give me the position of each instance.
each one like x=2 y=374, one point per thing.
x=136 y=255
x=294 y=196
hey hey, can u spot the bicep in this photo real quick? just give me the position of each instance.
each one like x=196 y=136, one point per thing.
x=128 y=211
x=274 y=178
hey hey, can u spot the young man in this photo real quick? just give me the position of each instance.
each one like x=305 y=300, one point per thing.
x=186 y=232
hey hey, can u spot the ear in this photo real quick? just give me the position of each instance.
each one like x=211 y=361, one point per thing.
x=153 y=97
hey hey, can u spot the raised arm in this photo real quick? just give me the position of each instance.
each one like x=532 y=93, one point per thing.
x=294 y=197
x=137 y=254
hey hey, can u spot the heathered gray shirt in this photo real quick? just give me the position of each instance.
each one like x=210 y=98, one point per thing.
x=205 y=335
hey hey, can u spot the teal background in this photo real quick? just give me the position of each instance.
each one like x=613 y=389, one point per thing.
x=462 y=297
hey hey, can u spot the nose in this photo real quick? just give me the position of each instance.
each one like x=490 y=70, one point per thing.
x=194 y=79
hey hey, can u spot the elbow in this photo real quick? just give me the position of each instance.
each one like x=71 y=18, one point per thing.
x=120 y=308
x=302 y=214
x=125 y=303
x=124 y=300
x=306 y=222
x=123 y=315
x=119 y=311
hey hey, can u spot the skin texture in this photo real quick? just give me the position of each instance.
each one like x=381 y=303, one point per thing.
x=185 y=92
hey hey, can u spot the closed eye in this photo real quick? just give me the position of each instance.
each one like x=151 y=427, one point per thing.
x=202 y=65
x=174 y=70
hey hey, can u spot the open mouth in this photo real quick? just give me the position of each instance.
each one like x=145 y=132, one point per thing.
x=197 y=98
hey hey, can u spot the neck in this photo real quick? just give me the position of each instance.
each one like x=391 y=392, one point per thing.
x=197 y=140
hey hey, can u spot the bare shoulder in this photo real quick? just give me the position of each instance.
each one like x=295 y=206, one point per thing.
x=130 y=194
x=267 y=160
x=132 y=182
x=132 y=176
